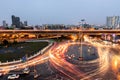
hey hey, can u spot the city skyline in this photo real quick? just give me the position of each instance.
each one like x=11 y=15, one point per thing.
x=59 y=12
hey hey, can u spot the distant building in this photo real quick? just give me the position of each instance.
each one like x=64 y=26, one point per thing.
x=21 y=24
x=72 y=26
x=15 y=21
x=5 y=24
x=2 y=28
x=86 y=25
x=54 y=26
x=25 y=23
x=118 y=26
x=112 y=21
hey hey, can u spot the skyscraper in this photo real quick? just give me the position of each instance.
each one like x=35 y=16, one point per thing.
x=15 y=21
x=112 y=21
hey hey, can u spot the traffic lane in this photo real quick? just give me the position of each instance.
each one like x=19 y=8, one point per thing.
x=40 y=59
x=43 y=71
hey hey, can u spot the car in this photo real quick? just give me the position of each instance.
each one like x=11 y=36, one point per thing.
x=13 y=76
x=26 y=71
x=35 y=76
x=1 y=74
x=81 y=58
x=13 y=67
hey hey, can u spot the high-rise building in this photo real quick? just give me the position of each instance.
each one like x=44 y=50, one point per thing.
x=15 y=21
x=112 y=21
x=5 y=24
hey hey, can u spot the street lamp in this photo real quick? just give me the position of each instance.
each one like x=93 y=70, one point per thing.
x=81 y=54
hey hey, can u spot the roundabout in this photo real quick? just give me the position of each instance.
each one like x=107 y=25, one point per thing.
x=104 y=61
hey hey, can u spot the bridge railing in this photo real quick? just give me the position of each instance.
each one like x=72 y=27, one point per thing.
x=11 y=62
x=41 y=51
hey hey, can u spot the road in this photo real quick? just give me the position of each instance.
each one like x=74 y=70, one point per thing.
x=61 y=61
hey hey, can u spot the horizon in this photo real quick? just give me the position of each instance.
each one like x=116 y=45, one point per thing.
x=59 y=12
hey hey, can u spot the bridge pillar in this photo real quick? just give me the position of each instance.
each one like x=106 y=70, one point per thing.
x=81 y=36
x=37 y=36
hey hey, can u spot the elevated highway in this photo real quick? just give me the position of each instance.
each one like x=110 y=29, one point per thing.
x=22 y=34
x=60 y=31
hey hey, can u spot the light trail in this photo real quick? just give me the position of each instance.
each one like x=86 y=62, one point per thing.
x=38 y=60
x=105 y=60
x=108 y=58
x=59 y=62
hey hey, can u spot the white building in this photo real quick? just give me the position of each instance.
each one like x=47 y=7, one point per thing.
x=112 y=21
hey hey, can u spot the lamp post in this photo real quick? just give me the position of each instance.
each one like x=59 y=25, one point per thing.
x=81 y=54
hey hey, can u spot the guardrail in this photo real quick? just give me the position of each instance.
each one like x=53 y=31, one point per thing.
x=41 y=51
x=38 y=53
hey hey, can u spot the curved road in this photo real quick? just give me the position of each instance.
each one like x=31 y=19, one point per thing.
x=41 y=58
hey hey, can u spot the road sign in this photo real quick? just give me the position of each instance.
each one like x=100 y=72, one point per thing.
x=24 y=58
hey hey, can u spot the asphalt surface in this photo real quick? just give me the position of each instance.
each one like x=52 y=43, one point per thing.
x=43 y=71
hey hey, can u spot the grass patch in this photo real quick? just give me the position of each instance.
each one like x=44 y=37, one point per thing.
x=17 y=51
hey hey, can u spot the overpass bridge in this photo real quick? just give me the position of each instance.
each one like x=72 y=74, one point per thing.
x=18 y=34
x=60 y=31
